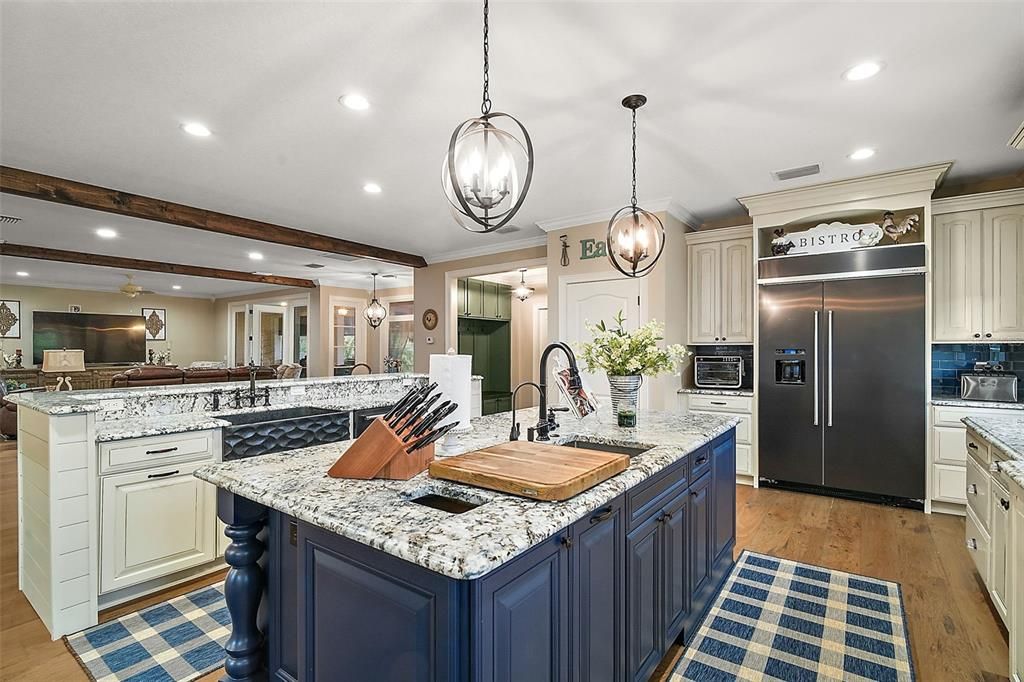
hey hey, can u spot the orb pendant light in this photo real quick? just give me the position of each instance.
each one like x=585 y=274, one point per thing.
x=375 y=311
x=636 y=237
x=489 y=165
x=522 y=292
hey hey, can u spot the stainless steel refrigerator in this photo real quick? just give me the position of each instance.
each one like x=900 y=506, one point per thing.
x=841 y=404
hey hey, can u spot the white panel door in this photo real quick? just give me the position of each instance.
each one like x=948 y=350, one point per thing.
x=1003 y=270
x=737 y=314
x=592 y=302
x=153 y=523
x=705 y=262
x=956 y=274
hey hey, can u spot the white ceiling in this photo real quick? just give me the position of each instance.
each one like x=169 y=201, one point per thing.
x=96 y=92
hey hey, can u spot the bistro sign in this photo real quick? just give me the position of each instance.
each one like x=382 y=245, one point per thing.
x=826 y=238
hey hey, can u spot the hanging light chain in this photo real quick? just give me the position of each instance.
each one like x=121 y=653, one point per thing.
x=633 y=201
x=485 y=105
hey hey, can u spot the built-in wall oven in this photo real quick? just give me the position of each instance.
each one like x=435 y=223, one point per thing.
x=718 y=371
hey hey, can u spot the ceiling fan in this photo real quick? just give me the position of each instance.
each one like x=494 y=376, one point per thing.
x=131 y=289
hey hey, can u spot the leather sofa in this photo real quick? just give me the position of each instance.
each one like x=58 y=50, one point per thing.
x=157 y=375
x=9 y=411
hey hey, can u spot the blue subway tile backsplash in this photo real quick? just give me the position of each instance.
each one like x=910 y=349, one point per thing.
x=950 y=360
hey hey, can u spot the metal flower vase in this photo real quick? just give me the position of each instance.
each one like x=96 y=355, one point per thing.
x=625 y=391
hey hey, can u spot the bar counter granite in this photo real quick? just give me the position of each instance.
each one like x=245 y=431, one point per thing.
x=381 y=514
x=1005 y=434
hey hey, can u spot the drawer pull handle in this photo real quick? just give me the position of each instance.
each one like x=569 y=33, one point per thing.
x=702 y=459
x=163 y=451
x=1005 y=504
x=717 y=402
x=997 y=467
x=973 y=489
x=665 y=517
x=602 y=515
x=163 y=475
x=972 y=545
x=567 y=541
x=972 y=446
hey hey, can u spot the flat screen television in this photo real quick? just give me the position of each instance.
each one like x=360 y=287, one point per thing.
x=110 y=339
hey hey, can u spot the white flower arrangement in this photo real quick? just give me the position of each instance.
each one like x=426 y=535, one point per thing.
x=620 y=352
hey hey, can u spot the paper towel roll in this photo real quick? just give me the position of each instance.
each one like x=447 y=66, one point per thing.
x=453 y=374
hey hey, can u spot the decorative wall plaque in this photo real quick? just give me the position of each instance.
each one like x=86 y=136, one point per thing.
x=156 y=323
x=825 y=238
x=10 y=319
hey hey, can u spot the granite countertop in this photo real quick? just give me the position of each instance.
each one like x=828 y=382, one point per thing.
x=379 y=513
x=743 y=392
x=960 y=402
x=1005 y=434
x=72 y=402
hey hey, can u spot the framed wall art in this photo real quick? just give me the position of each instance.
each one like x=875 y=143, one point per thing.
x=10 y=319
x=156 y=323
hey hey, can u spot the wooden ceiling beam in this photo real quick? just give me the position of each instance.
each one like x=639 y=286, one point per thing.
x=47 y=188
x=43 y=253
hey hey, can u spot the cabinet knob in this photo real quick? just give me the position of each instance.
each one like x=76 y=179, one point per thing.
x=972 y=544
x=988 y=335
x=972 y=489
x=716 y=338
x=1005 y=504
x=665 y=516
x=723 y=338
x=567 y=541
x=977 y=336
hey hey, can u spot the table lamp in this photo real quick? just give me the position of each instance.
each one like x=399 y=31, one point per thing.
x=62 y=362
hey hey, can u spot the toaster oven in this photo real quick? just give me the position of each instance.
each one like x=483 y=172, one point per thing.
x=994 y=386
x=718 y=371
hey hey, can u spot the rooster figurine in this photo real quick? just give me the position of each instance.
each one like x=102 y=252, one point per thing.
x=894 y=231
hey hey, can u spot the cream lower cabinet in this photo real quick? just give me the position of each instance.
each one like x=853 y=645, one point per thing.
x=951 y=477
x=1017 y=586
x=154 y=522
x=738 y=406
x=1000 y=520
x=721 y=288
x=978 y=275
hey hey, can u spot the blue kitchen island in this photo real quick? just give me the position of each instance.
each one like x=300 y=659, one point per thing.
x=431 y=580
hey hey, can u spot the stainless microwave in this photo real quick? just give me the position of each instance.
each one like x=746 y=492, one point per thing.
x=718 y=371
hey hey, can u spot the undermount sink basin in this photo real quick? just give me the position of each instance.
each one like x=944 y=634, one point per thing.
x=604 y=447
x=274 y=415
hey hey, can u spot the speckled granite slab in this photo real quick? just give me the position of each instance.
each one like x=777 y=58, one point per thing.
x=380 y=514
x=1007 y=435
x=742 y=392
x=957 y=402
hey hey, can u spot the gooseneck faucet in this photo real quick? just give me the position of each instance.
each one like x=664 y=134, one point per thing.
x=546 y=416
x=252 y=394
x=514 y=433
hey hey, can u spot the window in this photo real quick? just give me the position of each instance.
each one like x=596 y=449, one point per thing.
x=344 y=338
x=399 y=355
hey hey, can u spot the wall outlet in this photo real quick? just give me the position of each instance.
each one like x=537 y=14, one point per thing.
x=111 y=405
x=296 y=390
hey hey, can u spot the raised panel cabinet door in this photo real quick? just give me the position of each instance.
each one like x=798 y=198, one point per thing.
x=475 y=297
x=283 y=584
x=153 y=523
x=1003 y=272
x=737 y=314
x=1017 y=578
x=675 y=576
x=998 y=556
x=957 y=276
x=504 y=302
x=598 y=602
x=523 y=617
x=644 y=610
x=463 y=297
x=724 y=482
x=948 y=445
x=705 y=262
x=700 y=545
x=491 y=300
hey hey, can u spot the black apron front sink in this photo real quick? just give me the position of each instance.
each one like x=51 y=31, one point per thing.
x=263 y=433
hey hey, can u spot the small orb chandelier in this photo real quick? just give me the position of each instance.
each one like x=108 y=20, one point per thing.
x=489 y=165
x=522 y=292
x=375 y=311
x=636 y=237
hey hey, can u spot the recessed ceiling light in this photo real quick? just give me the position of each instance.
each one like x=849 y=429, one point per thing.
x=21 y=273
x=862 y=153
x=284 y=304
x=255 y=255
x=106 y=232
x=371 y=188
x=862 y=71
x=176 y=287
x=197 y=129
x=355 y=102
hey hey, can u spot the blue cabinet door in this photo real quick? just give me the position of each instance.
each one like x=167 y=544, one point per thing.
x=365 y=615
x=700 y=512
x=521 y=624
x=282 y=592
x=644 y=622
x=724 y=482
x=597 y=596
x=676 y=565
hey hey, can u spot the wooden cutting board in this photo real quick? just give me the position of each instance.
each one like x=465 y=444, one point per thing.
x=536 y=470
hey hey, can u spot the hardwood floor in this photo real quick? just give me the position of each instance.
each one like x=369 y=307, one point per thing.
x=955 y=634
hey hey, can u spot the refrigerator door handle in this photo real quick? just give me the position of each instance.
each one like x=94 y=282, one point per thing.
x=830 y=363
x=816 y=368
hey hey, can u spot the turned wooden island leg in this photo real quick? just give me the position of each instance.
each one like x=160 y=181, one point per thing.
x=244 y=586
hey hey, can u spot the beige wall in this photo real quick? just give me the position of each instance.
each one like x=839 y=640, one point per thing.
x=191 y=322
x=666 y=288
x=429 y=283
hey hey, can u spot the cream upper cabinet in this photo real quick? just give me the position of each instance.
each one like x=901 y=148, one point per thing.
x=721 y=296
x=978 y=275
x=1002 y=296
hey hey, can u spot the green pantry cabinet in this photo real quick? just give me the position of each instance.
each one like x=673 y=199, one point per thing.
x=485 y=332
x=600 y=601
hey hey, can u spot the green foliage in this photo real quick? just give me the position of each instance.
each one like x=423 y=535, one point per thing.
x=620 y=352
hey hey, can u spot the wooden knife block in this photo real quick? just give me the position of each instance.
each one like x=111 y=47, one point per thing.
x=380 y=453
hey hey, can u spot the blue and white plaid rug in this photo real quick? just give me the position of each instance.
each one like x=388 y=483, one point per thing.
x=178 y=640
x=778 y=619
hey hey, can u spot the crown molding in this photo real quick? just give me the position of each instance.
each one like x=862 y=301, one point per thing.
x=973 y=202
x=876 y=186
x=719 y=234
x=602 y=215
x=487 y=249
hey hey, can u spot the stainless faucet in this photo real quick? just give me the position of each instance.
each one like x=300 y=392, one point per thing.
x=546 y=416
